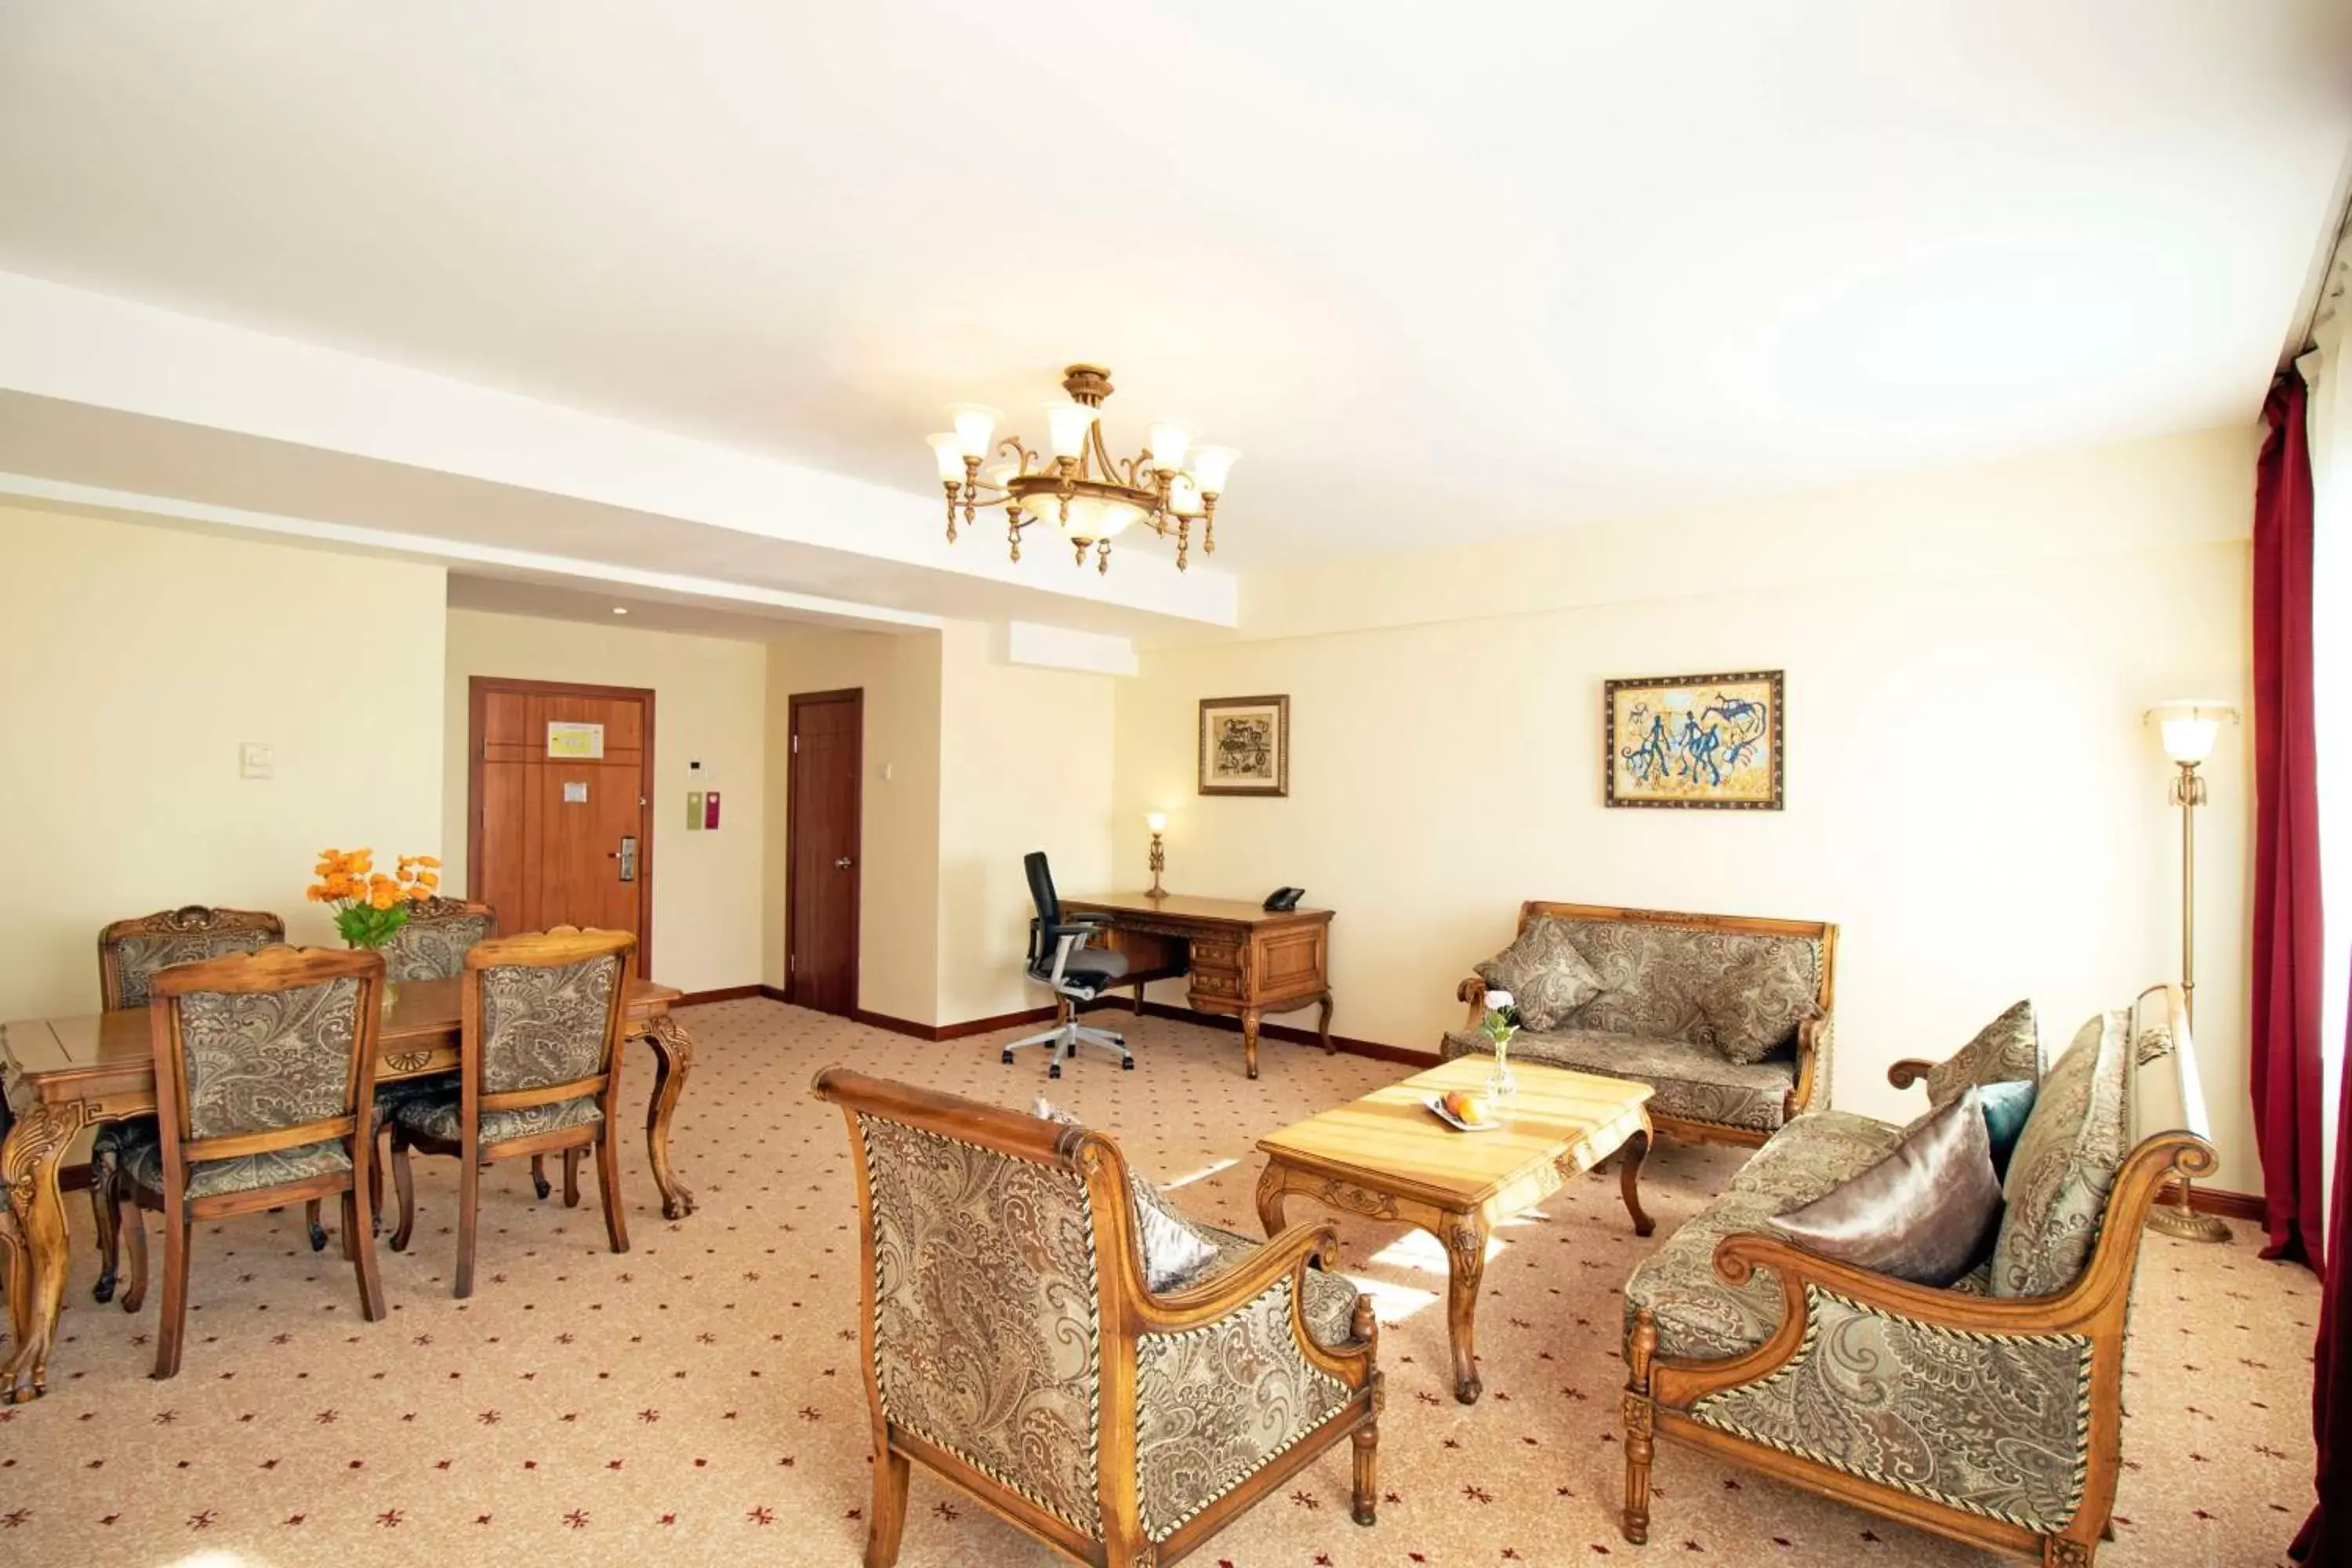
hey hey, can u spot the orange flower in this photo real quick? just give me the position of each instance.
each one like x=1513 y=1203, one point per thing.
x=418 y=892
x=430 y=861
x=384 y=898
x=316 y=893
x=428 y=881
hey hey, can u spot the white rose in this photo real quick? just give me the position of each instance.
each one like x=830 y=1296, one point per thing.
x=1497 y=1000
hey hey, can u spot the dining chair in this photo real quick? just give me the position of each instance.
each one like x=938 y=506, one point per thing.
x=131 y=954
x=539 y=1073
x=431 y=943
x=265 y=1083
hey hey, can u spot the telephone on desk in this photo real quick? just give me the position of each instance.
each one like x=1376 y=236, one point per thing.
x=1282 y=901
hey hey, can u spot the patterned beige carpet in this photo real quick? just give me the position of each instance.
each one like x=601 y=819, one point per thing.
x=699 y=1400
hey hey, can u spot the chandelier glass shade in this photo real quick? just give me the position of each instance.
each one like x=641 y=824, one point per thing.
x=1074 y=487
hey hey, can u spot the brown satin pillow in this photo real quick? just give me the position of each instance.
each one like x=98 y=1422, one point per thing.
x=1928 y=1212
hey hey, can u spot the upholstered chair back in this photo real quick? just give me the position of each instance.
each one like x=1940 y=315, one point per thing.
x=131 y=952
x=985 y=1326
x=1652 y=968
x=264 y=1056
x=432 y=943
x=542 y=1013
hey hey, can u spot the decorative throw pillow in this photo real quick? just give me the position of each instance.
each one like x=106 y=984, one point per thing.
x=1172 y=1250
x=1547 y=978
x=1753 y=1008
x=2066 y=1161
x=1927 y=1212
x=2008 y=1049
x=2006 y=1107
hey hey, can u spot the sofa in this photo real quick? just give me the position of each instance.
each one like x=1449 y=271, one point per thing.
x=1645 y=1021
x=1015 y=1345
x=1988 y=1411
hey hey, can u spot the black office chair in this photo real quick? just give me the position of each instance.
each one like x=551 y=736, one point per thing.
x=1060 y=959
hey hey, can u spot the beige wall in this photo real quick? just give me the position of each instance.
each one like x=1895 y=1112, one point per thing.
x=136 y=662
x=1024 y=763
x=1971 y=793
x=711 y=706
x=898 y=964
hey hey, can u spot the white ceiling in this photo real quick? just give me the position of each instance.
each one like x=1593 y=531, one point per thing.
x=1441 y=271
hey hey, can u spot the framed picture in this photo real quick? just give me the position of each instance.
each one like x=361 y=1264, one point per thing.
x=1245 y=745
x=1708 y=742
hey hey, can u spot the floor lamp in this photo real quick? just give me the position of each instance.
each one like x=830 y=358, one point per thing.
x=2190 y=728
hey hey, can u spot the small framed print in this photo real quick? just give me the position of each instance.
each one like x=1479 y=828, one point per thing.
x=1245 y=745
x=1708 y=743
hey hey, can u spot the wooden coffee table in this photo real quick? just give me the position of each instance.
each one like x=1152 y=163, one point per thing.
x=1386 y=1157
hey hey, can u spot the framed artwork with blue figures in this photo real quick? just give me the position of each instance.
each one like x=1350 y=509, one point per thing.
x=1708 y=743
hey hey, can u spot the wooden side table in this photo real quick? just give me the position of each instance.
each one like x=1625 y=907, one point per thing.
x=1386 y=1157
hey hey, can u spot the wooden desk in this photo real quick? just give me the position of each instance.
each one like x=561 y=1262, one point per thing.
x=1242 y=961
x=1385 y=1156
x=61 y=1075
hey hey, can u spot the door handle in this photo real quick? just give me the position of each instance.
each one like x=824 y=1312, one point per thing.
x=842 y=864
x=627 y=857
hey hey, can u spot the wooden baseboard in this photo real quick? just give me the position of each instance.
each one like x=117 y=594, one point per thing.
x=2217 y=1201
x=909 y=1027
x=723 y=993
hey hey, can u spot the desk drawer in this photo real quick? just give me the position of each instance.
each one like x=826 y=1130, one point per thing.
x=1225 y=982
x=1212 y=955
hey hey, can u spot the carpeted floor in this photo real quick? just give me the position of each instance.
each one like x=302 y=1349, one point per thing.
x=701 y=1400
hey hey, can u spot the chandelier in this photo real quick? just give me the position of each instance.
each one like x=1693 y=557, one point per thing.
x=1079 y=490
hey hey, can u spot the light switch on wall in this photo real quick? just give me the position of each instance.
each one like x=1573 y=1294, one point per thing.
x=253 y=761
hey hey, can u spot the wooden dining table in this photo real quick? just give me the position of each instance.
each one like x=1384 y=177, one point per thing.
x=62 y=1075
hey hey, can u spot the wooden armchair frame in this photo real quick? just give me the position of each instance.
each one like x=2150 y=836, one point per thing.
x=1660 y=1392
x=547 y=950
x=1814 y=1036
x=1129 y=1310
x=273 y=969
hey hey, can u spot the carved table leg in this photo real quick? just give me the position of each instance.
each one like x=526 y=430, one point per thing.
x=1641 y=1431
x=1138 y=997
x=1270 y=1188
x=1323 y=1025
x=673 y=1059
x=1249 y=1040
x=1629 y=1178
x=1466 y=1270
x=30 y=1165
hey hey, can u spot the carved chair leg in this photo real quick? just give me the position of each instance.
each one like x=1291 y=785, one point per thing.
x=2062 y=1551
x=361 y=1245
x=404 y=1188
x=132 y=1227
x=310 y=1211
x=539 y=1176
x=375 y=1190
x=106 y=1223
x=1641 y=1425
x=469 y=1206
x=173 y=1329
x=571 y=1177
x=608 y=1180
x=1367 y=1440
x=889 y=1519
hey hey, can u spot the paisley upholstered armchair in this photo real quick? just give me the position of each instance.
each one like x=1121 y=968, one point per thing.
x=1013 y=1345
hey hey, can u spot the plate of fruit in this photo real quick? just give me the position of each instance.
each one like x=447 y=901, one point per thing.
x=1464 y=1112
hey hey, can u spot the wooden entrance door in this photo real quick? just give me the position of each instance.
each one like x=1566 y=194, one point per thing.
x=821 y=825
x=559 y=829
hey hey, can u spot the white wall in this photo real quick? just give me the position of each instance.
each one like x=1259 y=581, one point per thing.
x=1024 y=763
x=136 y=662
x=1971 y=793
x=711 y=706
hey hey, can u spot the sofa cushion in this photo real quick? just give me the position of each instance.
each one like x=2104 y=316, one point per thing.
x=1547 y=978
x=1692 y=1083
x=1753 y=1008
x=1698 y=1315
x=1926 y=1212
x=2007 y=1051
x=1652 y=974
x=2064 y=1162
x=1329 y=1307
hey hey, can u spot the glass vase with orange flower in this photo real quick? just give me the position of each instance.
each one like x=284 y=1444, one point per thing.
x=370 y=906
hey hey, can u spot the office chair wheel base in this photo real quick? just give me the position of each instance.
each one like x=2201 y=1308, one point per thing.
x=1126 y=1064
x=1054 y=1071
x=1006 y=1058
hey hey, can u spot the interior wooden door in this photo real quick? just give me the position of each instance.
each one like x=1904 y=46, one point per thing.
x=821 y=823
x=560 y=829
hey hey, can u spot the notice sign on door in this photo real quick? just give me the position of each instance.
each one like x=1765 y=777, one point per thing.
x=574 y=740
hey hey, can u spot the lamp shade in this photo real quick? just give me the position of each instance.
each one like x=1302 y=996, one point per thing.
x=975 y=426
x=1169 y=440
x=1067 y=425
x=1157 y=821
x=1212 y=466
x=2191 y=726
x=948 y=447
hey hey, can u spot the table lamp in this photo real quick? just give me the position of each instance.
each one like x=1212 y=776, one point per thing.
x=1157 y=822
x=2191 y=727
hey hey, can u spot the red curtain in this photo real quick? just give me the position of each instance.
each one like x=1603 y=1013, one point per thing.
x=2285 y=1040
x=2326 y=1537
